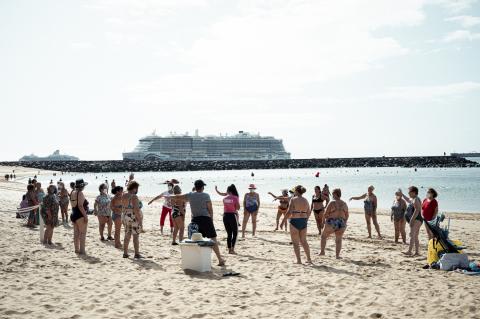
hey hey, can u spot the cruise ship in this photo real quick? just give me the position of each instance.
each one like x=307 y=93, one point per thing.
x=241 y=146
x=56 y=156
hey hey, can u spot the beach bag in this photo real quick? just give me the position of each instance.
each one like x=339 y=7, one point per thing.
x=451 y=261
x=192 y=228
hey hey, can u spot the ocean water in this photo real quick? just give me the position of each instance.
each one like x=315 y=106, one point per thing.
x=458 y=188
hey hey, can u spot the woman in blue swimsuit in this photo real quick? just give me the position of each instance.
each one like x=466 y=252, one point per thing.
x=298 y=213
x=370 y=207
x=336 y=217
x=251 y=205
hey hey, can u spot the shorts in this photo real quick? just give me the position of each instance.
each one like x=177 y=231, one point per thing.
x=205 y=226
x=116 y=216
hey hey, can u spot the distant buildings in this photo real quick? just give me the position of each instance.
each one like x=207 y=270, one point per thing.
x=56 y=156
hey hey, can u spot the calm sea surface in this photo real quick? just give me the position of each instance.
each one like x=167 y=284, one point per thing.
x=458 y=188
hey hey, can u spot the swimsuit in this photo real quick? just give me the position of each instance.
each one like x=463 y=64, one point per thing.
x=116 y=216
x=299 y=223
x=369 y=206
x=76 y=213
x=410 y=212
x=50 y=202
x=285 y=205
x=251 y=204
x=103 y=206
x=129 y=219
x=176 y=212
x=317 y=200
x=336 y=223
x=64 y=200
x=398 y=211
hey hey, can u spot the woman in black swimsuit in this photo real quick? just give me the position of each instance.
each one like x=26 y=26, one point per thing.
x=79 y=216
x=318 y=208
x=178 y=216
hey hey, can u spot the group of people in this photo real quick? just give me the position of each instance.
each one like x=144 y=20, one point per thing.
x=124 y=209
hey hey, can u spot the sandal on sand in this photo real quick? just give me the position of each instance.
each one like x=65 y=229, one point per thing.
x=102 y=238
x=174 y=243
x=138 y=256
x=125 y=256
x=110 y=238
x=231 y=274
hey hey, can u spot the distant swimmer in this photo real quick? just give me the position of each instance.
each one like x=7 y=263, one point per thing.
x=317 y=174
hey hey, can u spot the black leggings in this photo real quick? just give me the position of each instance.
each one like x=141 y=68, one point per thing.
x=231 y=226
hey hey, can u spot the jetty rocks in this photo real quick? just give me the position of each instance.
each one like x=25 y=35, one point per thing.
x=169 y=166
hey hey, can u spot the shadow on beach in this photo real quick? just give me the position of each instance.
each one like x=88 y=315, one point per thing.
x=89 y=259
x=214 y=274
x=147 y=264
x=334 y=270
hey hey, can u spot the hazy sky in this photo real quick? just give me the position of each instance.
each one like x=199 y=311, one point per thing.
x=331 y=78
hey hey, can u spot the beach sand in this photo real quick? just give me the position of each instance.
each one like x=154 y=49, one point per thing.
x=373 y=280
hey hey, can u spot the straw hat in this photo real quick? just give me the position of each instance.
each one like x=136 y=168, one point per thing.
x=197 y=237
x=252 y=186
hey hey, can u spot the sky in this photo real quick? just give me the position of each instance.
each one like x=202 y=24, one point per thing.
x=330 y=78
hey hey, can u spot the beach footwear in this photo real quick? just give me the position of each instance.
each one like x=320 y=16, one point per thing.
x=138 y=256
x=231 y=274
x=110 y=238
x=102 y=238
x=125 y=256
x=174 y=243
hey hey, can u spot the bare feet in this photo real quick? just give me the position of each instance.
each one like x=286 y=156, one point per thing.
x=407 y=253
x=338 y=257
x=221 y=263
x=322 y=253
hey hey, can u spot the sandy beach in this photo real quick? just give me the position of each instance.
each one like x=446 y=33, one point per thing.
x=373 y=280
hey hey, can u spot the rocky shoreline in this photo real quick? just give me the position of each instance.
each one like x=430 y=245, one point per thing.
x=168 y=166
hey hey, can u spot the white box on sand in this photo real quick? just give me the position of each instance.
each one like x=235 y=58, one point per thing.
x=195 y=257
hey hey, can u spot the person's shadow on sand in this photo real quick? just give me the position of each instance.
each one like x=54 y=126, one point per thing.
x=147 y=264
x=90 y=259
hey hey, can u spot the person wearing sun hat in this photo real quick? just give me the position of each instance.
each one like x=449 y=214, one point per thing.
x=202 y=214
x=251 y=205
x=79 y=216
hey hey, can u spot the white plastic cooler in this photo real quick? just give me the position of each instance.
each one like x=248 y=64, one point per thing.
x=196 y=257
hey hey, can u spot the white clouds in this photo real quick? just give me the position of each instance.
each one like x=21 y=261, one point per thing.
x=434 y=92
x=465 y=21
x=456 y=6
x=276 y=48
x=461 y=35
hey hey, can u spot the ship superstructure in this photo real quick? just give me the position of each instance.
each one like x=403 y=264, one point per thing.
x=241 y=146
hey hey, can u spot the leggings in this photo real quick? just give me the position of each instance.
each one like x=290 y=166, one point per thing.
x=165 y=211
x=231 y=226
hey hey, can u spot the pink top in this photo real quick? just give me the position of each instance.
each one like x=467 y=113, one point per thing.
x=230 y=203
